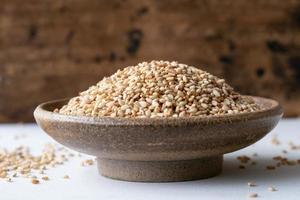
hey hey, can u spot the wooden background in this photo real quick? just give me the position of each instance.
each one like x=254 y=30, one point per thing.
x=54 y=48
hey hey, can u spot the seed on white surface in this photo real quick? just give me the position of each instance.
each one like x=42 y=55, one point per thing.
x=251 y=184
x=275 y=140
x=272 y=189
x=8 y=179
x=253 y=163
x=45 y=178
x=244 y=159
x=242 y=167
x=71 y=154
x=284 y=151
x=253 y=195
x=66 y=177
x=89 y=162
x=35 y=181
x=270 y=167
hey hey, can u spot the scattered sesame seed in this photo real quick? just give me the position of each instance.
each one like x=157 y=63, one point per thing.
x=253 y=195
x=284 y=151
x=66 y=177
x=278 y=164
x=293 y=146
x=270 y=167
x=275 y=140
x=244 y=159
x=272 y=189
x=251 y=184
x=242 y=167
x=35 y=181
x=89 y=162
x=277 y=158
x=291 y=162
x=8 y=179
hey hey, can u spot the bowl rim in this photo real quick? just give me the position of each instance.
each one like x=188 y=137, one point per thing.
x=275 y=109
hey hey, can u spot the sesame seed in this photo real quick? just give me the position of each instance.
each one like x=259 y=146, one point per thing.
x=272 y=189
x=45 y=178
x=284 y=151
x=8 y=180
x=71 y=154
x=66 y=177
x=251 y=184
x=275 y=140
x=89 y=162
x=159 y=89
x=253 y=195
x=35 y=181
x=216 y=93
x=242 y=167
x=244 y=159
x=270 y=167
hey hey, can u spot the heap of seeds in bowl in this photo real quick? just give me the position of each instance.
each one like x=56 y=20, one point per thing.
x=159 y=89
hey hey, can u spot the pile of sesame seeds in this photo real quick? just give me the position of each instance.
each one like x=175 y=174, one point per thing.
x=159 y=89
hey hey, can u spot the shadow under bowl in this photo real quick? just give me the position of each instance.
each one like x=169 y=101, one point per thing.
x=159 y=149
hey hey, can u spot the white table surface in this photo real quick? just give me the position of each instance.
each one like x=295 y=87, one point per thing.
x=85 y=183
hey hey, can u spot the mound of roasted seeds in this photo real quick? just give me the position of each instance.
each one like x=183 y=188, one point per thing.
x=159 y=89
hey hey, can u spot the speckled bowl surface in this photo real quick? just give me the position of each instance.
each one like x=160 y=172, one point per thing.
x=159 y=149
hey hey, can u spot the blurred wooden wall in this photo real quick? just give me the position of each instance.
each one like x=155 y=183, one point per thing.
x=54 y=48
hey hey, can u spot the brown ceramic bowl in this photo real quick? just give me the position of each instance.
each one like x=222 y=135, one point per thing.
x=157 y=150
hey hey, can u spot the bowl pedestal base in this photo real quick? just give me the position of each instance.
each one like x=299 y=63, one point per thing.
x=160 y=171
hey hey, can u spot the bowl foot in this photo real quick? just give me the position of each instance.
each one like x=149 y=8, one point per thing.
x=160 y=171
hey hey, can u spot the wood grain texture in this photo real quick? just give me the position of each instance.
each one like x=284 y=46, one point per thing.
x=53 y=48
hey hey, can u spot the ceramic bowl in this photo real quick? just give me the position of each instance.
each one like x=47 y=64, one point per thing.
x=158 y=149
